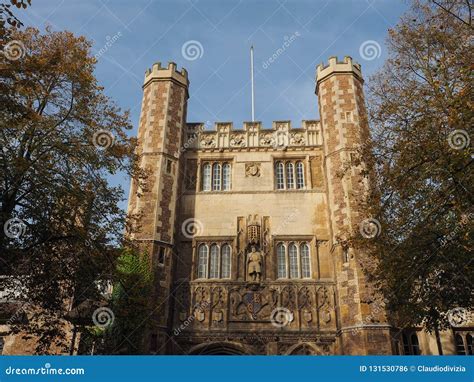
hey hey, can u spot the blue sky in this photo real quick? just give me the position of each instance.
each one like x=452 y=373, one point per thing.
x=147 y=31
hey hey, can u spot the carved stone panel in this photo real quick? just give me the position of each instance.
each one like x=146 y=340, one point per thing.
x=308 y=306
x=252 y=169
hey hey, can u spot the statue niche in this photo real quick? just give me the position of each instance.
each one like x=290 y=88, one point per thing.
x=252 y=243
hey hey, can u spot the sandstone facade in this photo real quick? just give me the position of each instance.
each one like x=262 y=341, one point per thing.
x=245 y=228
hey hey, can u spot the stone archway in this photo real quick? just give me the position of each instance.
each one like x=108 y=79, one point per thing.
x=219 y=348
x=304 y=348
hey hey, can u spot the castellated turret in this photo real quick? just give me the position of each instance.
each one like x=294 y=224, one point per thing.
x=160 y=130
x=339 y=86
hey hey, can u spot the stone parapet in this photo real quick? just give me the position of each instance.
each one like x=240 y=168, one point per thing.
x=345 y=66
x=280 y=136
x=170 y=73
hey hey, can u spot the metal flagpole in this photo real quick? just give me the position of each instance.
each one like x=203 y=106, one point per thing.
x=251 y=76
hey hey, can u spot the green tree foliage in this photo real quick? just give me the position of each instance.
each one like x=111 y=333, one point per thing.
x=130 y=305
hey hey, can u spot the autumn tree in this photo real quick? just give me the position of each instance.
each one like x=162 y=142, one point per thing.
x=61 y=139
x=420 y=159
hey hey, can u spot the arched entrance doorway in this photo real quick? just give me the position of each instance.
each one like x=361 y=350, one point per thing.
x=303 y=349
x=219 y=348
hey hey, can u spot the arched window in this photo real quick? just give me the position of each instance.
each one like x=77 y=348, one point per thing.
x=216 y=177
x=280 y=176
x=214 y=267
x=202 y=262
x=460 y=350
x=299 y=175
x=415 y=346
x=293 y=260
x=225 y=258
x=206 y=177
x=410 y=344
x=406 y=344
x=305 y=261
x=290 y=175
x=226 y=176
x=470 y=344
x=281 y=261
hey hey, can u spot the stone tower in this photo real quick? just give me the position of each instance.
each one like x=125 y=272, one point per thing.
x=162 y=119
x=362 y=323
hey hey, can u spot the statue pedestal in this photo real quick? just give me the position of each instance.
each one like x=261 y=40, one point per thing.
x=253 y=285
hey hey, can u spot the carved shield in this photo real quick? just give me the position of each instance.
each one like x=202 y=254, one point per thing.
x=218 y=316
x=200 y=315
x=307 y=315
x=253 y=302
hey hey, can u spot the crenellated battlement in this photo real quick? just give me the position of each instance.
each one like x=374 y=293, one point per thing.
x=252 y=135
x=335 y=66
x=157 y=72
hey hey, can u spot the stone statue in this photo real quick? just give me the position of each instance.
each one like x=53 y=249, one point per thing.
x=254 y=265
